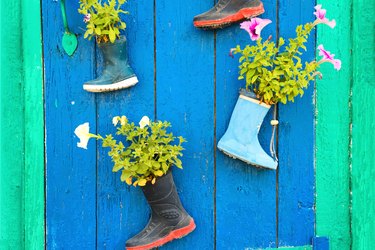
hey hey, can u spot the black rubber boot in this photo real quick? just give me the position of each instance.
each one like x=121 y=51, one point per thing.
x=226 y=12
x=168 y=221
x=117 y=73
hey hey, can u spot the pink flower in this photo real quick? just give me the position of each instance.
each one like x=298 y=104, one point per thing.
x=87 y=18
x=254 y=27
x=321 y=16
x=328 y=57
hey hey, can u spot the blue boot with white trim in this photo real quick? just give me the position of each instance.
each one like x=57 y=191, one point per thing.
x=240 y=141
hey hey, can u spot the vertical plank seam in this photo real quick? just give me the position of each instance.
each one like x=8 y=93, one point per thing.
x=215 y=139
x=155 y=73
x=350 y=127
x=277 y=141
x=95 y=72
x=44 y=129
x=314 y=129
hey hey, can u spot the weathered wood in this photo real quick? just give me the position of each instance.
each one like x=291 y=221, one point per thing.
x=70 y=171
x=295 y=143
x=333 y=129
x=122 y=210
x=363 y=124
x=185 y=97
x=34 y=125
x=11 y=126
x=245 y=195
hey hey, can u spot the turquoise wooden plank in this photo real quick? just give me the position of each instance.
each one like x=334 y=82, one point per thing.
x=245 y=195
x=296 y=141
x=70 y=171
x=184 y=63
x=122 y=210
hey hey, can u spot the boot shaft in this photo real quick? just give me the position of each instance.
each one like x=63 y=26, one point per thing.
x=163 y=197
x=247 y=117
x=115 y=53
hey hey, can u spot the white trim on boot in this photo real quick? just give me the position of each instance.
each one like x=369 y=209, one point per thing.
x=111 y=87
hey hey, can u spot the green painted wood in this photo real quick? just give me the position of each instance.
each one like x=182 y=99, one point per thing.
x=363 y=125
x=332 y=130
x=11 y=127
x=22 y=149
x=34 y=125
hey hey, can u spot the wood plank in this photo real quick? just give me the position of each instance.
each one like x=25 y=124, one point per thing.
x=296 y=143
x=363 y=123
x=185 y=97
x=122 y=210
x=333 y=131
x=11 y=126
x=70 y=171
x=246 y=196
x=34 y=126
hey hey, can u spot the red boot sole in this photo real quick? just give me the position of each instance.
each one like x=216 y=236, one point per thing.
x=241 y=14
x=175 y=234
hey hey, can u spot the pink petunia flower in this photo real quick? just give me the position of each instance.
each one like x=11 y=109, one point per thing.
x=254 y=27
x=87 y=18
x=328 y=57
x=321 y=16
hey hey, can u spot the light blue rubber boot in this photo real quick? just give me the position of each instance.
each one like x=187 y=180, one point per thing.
x=241 y=138
x=117 y=73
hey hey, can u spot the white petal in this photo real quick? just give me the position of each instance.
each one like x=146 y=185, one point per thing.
x=82 y=132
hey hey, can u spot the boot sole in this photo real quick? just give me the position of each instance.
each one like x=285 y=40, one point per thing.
x=245 y=13
x=111 y=87
x=246 y=161
x=175 y=234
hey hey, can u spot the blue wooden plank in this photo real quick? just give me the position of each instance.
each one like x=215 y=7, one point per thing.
x=246 y=196
x=296 y=142
x=70 y=173
x=185 y=58
x=320 y=243
x=122 y=210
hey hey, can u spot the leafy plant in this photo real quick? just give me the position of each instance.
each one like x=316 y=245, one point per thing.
x=103 y=19
x=146 y=152
x=274 y=72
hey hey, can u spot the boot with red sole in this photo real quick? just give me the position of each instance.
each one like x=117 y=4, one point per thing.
x=226 y=12
x=168 y=221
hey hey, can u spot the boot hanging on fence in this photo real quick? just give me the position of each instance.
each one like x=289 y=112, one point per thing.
x=241 y=138
x=226 y=12
x=168 y=221
x=117 y=73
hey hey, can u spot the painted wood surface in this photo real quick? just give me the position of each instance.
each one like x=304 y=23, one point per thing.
x=363 y=124
x=11 y=127
x=122 y=210
x=34 y=228
x=186 y=77
x=245 y=196
x=70 y=171
x=185 y=97
x=296 y=216
x=333 y=120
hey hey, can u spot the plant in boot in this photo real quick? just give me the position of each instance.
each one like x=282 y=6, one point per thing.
x=144 y=158
x=226 y=12
x=273 y=73
x=104 y=23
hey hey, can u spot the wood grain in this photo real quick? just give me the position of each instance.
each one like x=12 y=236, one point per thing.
x=333 y=120
x=296 y=180
x=184 y=62
x=246 y=195
x=70 y=171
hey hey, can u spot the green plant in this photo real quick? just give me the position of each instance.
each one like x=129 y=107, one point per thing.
x=146 y=151
x=274 y=72
x=103 y=19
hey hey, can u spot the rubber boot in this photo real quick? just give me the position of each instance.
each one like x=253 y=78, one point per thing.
x=117 y=73
x=241 y=138
x=226 y=12
x=168 y=221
